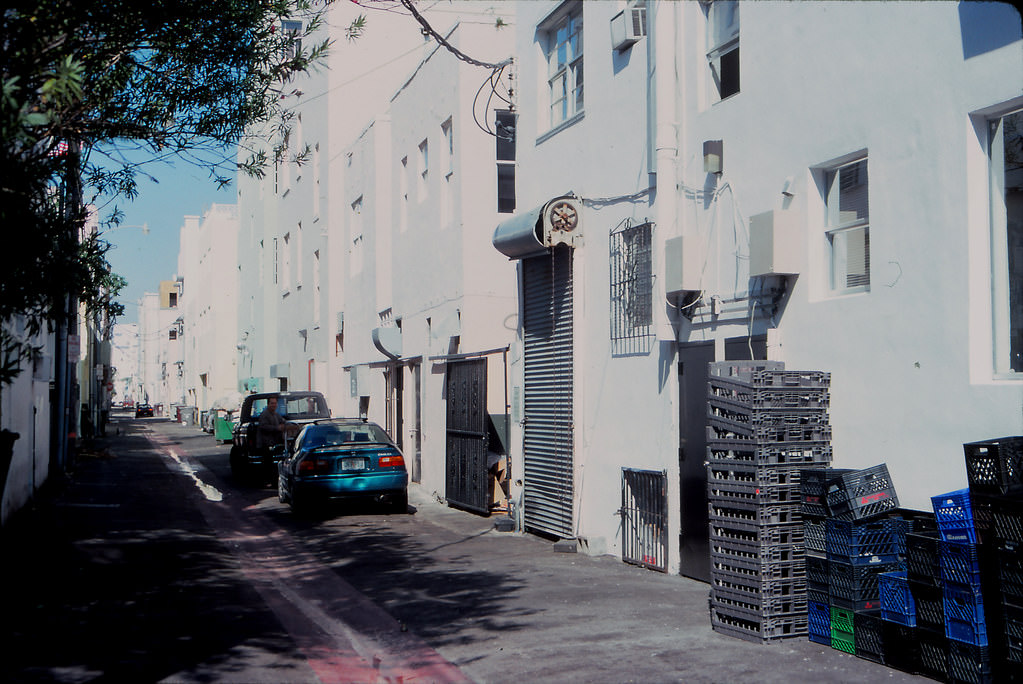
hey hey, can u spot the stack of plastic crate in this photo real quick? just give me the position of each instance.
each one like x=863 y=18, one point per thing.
x=862 y=542
x=766 y=425
x=813 y=496
x=923 y=646
x=994 y=470
x=968 y=658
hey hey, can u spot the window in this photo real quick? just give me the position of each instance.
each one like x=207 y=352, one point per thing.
x=505 y=133
x=447 y=164
x=293 y=30
x=847 y=226
x=286 y=264
x=316 y=287
x=723 y=45
x=1006 y=152
x=355 y=254
x=631 y=284
x=564 y=41
x=424 y=168
x=403 y=195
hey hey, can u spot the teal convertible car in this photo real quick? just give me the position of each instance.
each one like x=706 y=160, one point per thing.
x=343 y=459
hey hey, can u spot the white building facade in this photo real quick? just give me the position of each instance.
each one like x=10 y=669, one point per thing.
x=736 y=195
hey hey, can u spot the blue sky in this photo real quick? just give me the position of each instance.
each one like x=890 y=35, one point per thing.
x=145 y=259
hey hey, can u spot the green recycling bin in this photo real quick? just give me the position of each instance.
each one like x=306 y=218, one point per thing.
x=223 y=429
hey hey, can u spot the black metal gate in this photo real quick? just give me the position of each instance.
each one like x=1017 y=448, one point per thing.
x=645 y=518
x=467 y=436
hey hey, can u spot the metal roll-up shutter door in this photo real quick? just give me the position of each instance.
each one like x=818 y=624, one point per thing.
x=548 y=489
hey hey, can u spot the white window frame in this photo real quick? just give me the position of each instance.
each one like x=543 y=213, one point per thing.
x=292 y=29
x=286 y=264
x=355 y=251
x=722 y=41
x=1002 y=283
x=563 y=54
x=424 y=168
x=403 y=195
x=847 y=234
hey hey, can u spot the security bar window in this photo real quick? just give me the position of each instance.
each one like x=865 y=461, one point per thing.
x=564 y=40
x=723 y=45
x=631 y=283
x=1006 y=151
x=848 y=229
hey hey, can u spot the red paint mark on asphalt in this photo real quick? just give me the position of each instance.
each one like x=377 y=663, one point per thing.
x=356 y=641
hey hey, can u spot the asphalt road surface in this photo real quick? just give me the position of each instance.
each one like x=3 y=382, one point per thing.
x=153 y=564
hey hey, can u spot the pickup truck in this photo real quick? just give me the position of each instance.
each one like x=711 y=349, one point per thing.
x=251 y=461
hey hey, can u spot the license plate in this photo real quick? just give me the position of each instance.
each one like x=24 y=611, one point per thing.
x=353 y=464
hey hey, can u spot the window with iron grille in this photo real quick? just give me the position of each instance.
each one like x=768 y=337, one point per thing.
x=631 y=282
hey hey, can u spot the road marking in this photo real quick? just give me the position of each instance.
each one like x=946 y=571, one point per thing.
x=209 y=491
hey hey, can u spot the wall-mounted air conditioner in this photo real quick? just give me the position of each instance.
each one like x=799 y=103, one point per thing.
x=684 y=260
x=773 y=244
x=628 y=26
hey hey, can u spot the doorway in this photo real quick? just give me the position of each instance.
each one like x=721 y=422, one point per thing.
x=693 y=357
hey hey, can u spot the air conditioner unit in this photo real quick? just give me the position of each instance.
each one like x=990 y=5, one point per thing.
x=774 y=246
x=684 y=260
x=561 y=221
x=628 y=26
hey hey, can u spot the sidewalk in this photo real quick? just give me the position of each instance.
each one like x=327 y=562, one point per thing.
x=101 y=562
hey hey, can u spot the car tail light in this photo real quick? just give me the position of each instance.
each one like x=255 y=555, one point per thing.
x=395 y=461
x=313 y=466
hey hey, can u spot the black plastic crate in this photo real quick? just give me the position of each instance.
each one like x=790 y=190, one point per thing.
x=995 y=466
x=740 y=603
x=730 y=471
x=868 y=636
x=1009 y=562
x=742 y=586
x=960 y=564
x=861 y=543
x=901 y=647
x=923 y=563
x=862 y=494
x=933 y=654
x=790 y=378
x=755 y=556
x=815 y=536
x=748 y=451
x=907 y=521
x=1007 y=513
x=751 y=516
x=758 y=573
x=930 y=608
x=855 y=587
x=762 y=536
x=721 y=429
x=741 y=370
x=813 y=489
x=739 y=625
x=969 y=664
x=751 y=493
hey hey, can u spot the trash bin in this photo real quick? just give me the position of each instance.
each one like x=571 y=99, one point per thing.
x=223 y=429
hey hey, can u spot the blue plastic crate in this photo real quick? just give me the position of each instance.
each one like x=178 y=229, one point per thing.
x=819 y=620
x=861 y=543
x=964 y=615
x=954 y=516
x=960 y=563
x=897 y=604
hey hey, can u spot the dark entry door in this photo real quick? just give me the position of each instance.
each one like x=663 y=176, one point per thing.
x=694 y=541
x=692 y=451
x=466 y=466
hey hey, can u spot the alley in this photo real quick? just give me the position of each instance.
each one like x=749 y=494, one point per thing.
x=152 y=564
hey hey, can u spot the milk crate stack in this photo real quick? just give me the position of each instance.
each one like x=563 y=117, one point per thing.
x=991 y=561
x=766 y=425
x=855 y=538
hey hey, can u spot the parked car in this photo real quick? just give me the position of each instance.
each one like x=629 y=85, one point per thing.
x=143 y=411
x=248 y=458
x=343 y=459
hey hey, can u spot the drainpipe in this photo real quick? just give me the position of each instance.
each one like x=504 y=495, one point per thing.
x=669 y=132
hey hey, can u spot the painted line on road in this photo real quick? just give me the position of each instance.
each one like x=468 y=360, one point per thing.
x=209 y=491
